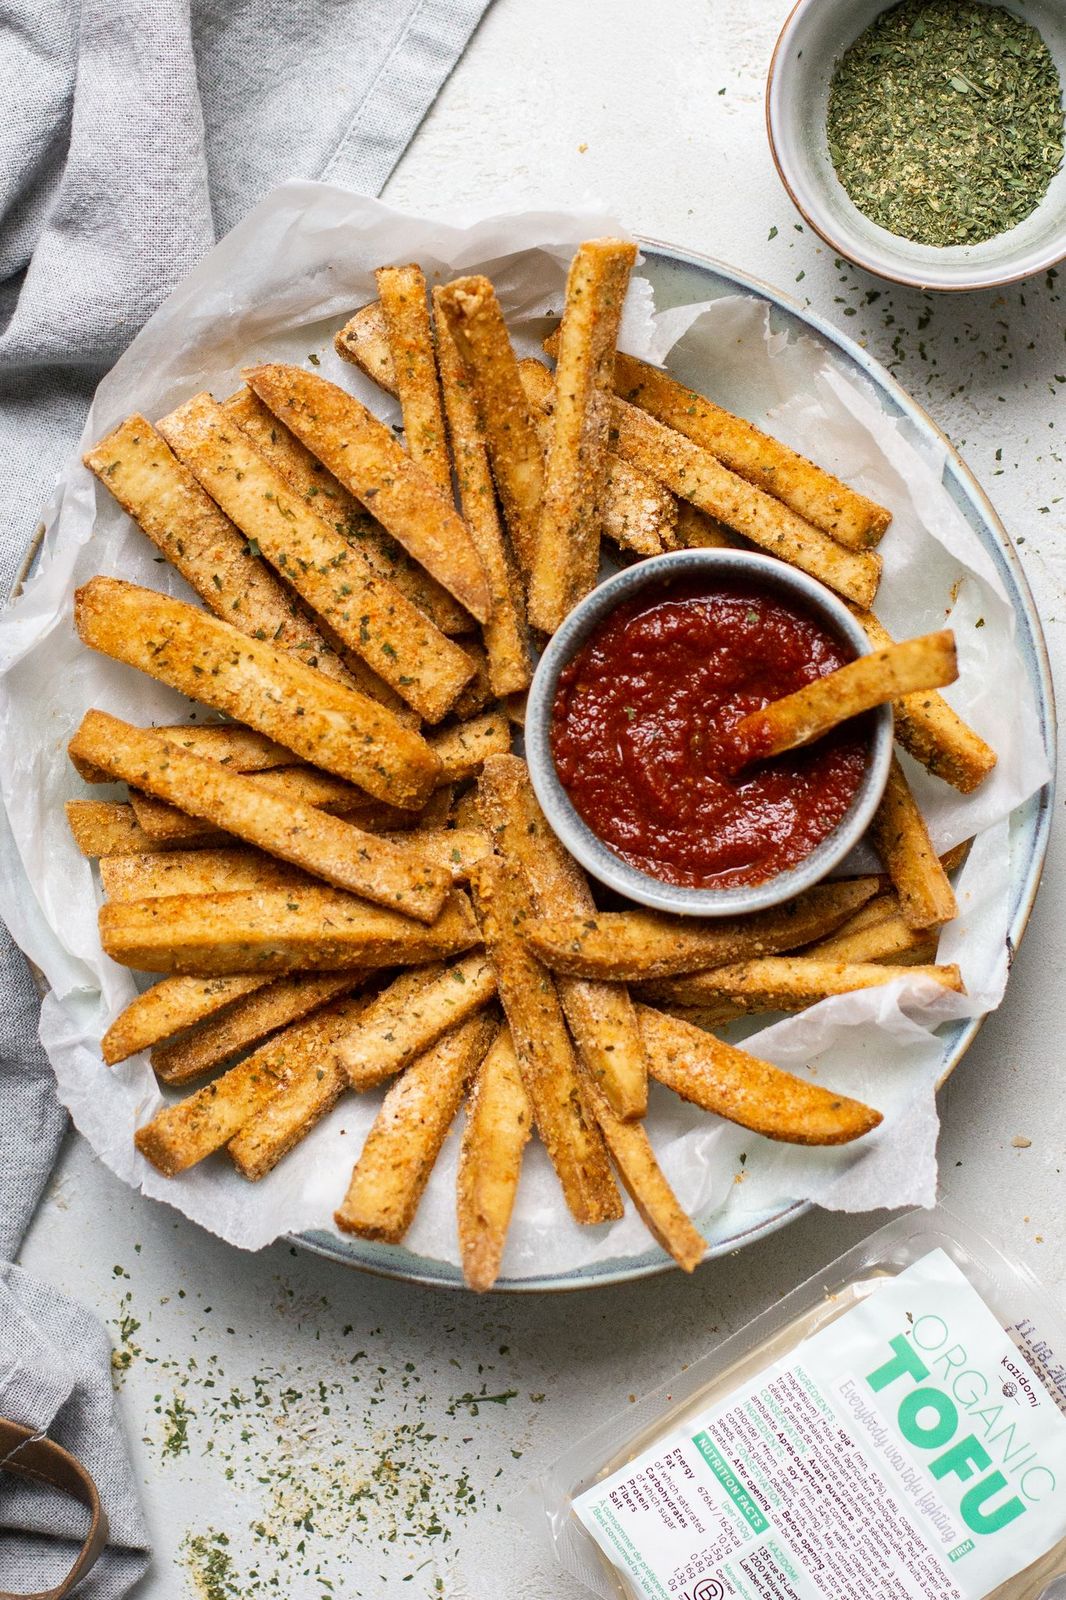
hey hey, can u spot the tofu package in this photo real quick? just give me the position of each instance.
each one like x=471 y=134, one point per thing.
x=894 y=1429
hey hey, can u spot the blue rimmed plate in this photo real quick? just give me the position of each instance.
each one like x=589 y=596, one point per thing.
x=680 y=278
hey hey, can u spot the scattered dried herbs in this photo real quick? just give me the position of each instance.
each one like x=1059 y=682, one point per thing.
x=945 y=121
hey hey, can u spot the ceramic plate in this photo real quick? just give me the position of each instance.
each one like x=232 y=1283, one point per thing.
x=678 y=278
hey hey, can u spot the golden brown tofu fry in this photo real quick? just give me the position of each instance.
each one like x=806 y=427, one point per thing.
x=498 y=1125
x=364 y=342
x=365 y=611
x=306 y=474
x=411 y=1014
x=393 y=1169
x=181 y=1135
x=901 y=839
x=549 y=1070
x=249 y=1021
x=600 y=1015
x=313 y=1085
x=325 y=723
x=506 y=635
x=738 y=1086
x=213 y=556
x=302 y=785
x=647 y=1187
x=934 y=734
x=404 y=306
x=635 y=511
x=885 y=937
x=697 y=476
x=235 y=747
x=477 y=696
x=139 y=877
x=567 y=546
x=456 y=850
x=634 y=946
x=800 y=718
x=787 y=983
x=371 y=463
x=167 y=1008
x=696 y=530
x=322 y=845
x=812 y=493
x=109 y=828
x=274 y=931
x=463 y=749
x=473 y=316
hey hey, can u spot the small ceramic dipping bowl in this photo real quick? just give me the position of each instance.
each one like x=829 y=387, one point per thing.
x=797 y=96
x=716 y=568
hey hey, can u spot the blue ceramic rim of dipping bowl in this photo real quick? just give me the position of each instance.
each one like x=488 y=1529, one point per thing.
x=677 y=566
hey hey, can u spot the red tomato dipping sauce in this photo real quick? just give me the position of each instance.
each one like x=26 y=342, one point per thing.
x=640 y=735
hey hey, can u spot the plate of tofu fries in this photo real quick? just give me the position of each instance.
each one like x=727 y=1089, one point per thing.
x=336 y=880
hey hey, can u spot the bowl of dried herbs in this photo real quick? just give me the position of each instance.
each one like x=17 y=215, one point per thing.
x=924 y=141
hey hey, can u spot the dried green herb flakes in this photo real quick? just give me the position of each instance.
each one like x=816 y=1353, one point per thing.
x=945 y=121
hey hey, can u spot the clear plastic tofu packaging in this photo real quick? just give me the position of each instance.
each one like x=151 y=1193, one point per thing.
x=895 y=1429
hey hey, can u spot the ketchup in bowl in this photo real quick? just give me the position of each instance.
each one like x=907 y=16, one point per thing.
x=640 y=735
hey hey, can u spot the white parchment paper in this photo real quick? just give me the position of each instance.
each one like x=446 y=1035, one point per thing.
x=277 y=288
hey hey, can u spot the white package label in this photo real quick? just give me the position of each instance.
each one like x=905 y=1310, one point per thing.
x=908 y=1451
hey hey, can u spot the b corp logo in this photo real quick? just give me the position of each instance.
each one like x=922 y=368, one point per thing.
x=708 y=1589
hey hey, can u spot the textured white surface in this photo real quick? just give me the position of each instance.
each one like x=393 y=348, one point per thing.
x=286 y=1336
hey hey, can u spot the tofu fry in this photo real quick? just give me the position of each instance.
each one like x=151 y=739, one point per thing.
x=249 y=679
x=312 y=840
x=410 y=1015
x=313 y=1085
x=168 y=1007
x=141 y=877
x=634 y=946
x=402 y=292
x=600 y=1015
x=811 y=492
x=365 y=611
x=371 y=464
x=567 y=546
x=635 y=511
x=302 y=785
x=901 y=839
x=456 y=850
x=647 y=1187
x=930 y=731
x=364 y=341
x=306 y=474
x=463 y=749
x=237 y=748
x=542 y=1044
x=871 y=680
x=697 y=476
x=752 y=1093
x=788 y=983
x=181 y=519
x=498 y=1125
x=394 y=1167
x=473 y=317
x=506 y=635
x=250 y=1020
x=267 y=931
x=181 y=1135
x=888 y=938
x=109 y=828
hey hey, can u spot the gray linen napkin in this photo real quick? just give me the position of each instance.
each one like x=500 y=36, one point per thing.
x=135 y=133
